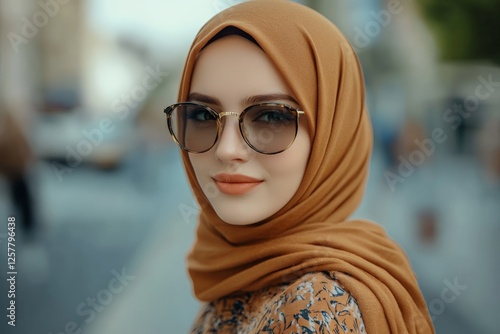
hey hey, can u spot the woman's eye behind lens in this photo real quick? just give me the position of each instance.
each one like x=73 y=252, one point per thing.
x=273 y=117
x=200 y=115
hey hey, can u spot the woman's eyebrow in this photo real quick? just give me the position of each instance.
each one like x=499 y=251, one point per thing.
x=204 y=98
x=246 y=101
x=268 y=97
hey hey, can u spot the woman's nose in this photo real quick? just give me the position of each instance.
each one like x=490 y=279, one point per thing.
x=231 y=146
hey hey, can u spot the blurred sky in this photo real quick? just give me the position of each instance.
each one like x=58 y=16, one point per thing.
x=168 y=26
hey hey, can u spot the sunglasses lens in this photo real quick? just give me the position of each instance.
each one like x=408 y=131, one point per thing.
x=269 y=128
x=193 y=126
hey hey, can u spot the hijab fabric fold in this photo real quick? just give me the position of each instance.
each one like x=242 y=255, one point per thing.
x=312 y=232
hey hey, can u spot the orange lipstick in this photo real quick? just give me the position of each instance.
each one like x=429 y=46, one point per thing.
x=235 y=184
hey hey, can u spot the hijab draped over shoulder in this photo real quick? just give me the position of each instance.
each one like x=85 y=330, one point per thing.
x=311 y=233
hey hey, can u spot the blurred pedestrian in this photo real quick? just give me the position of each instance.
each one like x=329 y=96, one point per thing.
x=15 y=158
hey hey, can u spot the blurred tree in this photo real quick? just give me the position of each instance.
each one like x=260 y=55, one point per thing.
x=467 y=30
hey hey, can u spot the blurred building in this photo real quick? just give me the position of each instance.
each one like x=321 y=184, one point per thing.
x=87 y=82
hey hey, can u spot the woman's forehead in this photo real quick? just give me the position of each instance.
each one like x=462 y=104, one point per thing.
x=234 y=68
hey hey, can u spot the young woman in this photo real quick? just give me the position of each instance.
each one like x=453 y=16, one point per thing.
x=276 y=142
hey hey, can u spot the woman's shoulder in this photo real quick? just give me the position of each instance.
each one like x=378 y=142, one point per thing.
x=315 y=302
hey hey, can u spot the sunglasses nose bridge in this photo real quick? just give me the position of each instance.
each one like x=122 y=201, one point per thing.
x=228 y=113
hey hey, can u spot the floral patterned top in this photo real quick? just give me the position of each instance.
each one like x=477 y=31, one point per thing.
x=315 y=303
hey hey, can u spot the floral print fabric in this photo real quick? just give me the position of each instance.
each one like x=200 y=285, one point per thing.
x=316 y=303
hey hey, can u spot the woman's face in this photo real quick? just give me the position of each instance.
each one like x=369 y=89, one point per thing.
x=228 y=73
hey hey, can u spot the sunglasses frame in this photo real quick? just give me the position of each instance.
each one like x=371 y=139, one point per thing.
x=168 y=112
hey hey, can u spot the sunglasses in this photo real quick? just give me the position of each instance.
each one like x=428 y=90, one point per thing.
x=268 y=128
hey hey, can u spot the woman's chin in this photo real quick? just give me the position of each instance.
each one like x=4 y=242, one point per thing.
x=238 y=218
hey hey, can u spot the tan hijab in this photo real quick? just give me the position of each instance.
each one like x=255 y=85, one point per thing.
x=311 y=233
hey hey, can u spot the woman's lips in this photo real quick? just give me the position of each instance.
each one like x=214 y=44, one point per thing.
x=235 y=184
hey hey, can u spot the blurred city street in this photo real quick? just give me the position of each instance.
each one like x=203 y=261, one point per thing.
x=105 y=216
